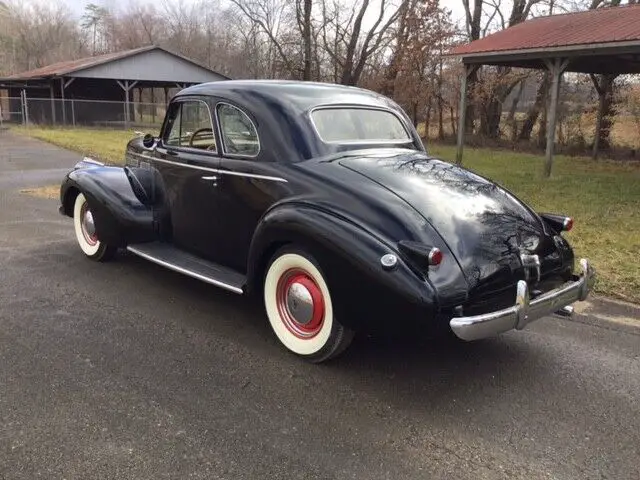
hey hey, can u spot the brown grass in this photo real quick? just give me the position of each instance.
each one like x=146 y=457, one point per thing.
x=51 y=192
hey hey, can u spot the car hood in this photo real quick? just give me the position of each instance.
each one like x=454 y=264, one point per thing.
x=485 y=226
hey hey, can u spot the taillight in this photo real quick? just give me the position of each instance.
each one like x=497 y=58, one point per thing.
x=567 y=224
x=559 y=223
x=435 y=256
x=420 y=255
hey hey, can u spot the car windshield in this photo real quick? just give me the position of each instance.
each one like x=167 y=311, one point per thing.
x=359 y=125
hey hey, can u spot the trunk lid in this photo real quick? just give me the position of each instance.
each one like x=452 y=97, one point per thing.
x=485 y=226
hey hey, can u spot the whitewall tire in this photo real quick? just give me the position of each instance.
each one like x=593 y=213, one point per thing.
x=300 y=309
x=86 y=233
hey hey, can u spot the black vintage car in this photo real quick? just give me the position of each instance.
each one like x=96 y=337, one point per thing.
x=322 y=199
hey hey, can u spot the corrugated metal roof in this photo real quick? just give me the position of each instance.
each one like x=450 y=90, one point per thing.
x=69 y=67
x=600 y=26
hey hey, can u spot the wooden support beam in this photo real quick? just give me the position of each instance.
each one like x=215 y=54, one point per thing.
x=556 y=68
x=53 y=104
x=64 y=113
x=468 y=71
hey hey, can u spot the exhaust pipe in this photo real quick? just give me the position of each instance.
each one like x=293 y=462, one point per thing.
x=566 y=311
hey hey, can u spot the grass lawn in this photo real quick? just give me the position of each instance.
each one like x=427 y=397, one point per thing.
x=101 y=144
x=603 y=197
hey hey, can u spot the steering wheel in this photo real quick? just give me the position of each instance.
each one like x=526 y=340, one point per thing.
x=197 y=132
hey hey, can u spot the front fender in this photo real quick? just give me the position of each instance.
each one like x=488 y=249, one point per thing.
x=120 y=215
x=349 y=256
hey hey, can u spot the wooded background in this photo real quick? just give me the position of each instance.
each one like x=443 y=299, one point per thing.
x=395 y=47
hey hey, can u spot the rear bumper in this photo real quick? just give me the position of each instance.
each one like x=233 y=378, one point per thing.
x=525 y=310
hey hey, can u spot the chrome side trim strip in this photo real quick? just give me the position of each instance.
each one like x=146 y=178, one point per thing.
x=177 y=268
x=251 y=175
x=212 y=170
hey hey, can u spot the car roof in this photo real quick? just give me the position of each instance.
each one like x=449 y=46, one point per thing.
x=302 y=96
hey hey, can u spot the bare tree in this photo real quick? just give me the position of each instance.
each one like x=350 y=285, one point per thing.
x=40 y=33
x=346 y=40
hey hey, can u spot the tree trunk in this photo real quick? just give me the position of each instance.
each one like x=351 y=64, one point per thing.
x=490 y=119
x=511 y=117
x=454 y=120
x=470 y=114
x=607 y=113
x=536 y=109
x=542 y=131
x=427 y=120
x=306 y=33
x=440 y=118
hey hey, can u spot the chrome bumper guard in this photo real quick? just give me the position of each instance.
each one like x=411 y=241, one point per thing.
x=525 y=310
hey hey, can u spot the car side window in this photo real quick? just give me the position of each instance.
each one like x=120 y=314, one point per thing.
x=239 y=134
x=190 y=126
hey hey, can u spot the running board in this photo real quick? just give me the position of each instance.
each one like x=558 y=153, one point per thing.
x=180 y=261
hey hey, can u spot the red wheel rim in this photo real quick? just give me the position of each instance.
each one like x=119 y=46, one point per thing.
x=86 y=217
x=300 y=303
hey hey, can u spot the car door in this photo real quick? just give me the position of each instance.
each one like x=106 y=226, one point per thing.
x=187 y=159
x=248 y=184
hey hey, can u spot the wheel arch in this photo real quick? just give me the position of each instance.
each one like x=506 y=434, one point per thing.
x=348 y=254
x=120 y=217
x=68 y=200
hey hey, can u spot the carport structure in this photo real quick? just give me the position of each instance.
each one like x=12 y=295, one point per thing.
x=603 y=42
x=110 y=78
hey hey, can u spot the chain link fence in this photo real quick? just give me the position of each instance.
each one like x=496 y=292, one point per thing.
x=86 y=113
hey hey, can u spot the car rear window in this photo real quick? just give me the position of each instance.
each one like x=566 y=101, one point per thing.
x=358 y=125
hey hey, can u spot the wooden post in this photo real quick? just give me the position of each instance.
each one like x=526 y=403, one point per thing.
x=64 y=113
x=127 y=88
x=468 y=71
x=556 y=68
x=53 y=104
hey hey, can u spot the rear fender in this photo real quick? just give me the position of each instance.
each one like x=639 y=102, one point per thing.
x=349 y=257
x=119 y=204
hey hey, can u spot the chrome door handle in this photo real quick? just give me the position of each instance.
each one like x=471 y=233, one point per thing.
x=213 y=178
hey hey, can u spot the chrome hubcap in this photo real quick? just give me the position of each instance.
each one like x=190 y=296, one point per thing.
x=300 y=303
x=87 y=224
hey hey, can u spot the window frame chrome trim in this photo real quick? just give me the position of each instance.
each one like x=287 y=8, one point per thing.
x=219 y=125
x=346 y=106
x=210 y=153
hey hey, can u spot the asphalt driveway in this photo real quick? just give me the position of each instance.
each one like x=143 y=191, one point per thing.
x=125 y=370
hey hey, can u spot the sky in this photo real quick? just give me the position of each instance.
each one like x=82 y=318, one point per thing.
x=77 y=6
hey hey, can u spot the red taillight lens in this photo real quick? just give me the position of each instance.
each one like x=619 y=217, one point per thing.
x=567 y=225
x=435 y=256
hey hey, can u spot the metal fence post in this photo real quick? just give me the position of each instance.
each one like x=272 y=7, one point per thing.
x=73 y=112
x=26 y=108
x=22 y=108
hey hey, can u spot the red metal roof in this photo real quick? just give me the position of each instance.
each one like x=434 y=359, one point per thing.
x=600 y=26
x=65 y=68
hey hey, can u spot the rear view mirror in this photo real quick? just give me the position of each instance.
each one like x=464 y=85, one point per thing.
x=148 y=141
